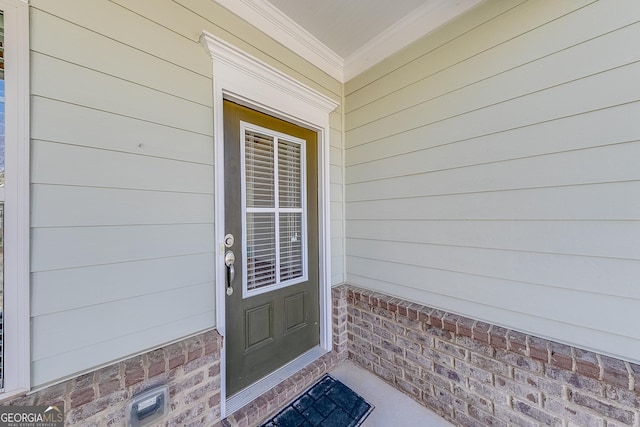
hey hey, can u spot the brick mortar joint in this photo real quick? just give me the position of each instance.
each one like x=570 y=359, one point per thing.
x=478 y=327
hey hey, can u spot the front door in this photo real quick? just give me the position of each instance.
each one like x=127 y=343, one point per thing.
x=271 y=210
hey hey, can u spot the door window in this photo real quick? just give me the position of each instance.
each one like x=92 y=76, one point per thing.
x=274 y=209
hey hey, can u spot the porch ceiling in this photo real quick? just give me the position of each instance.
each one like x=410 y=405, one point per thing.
x=344 y=38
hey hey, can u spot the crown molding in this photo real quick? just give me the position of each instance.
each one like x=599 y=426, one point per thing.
x=270 y=20
x=415 y=25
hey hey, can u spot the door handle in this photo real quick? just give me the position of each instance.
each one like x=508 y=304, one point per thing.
x=229 y=260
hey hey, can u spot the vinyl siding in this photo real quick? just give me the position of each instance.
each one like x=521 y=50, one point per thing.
x=122 y=174
x=490 y=170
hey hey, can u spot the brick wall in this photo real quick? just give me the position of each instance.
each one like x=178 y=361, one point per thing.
x=476 y=374
x=190 y=368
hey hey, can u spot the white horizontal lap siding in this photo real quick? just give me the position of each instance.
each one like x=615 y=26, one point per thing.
x=122 y=174
x=336 y=161
x=493 y=174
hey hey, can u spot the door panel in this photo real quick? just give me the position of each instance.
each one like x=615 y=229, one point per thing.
x=271 y=208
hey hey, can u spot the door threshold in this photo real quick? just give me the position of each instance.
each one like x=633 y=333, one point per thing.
x=260 y=387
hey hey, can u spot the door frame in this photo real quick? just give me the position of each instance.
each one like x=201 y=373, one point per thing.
x=246 y=80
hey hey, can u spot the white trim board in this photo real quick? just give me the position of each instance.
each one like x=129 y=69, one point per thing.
x=240 y=399
x=240 y=77
x=270 y=20
x=17 y=325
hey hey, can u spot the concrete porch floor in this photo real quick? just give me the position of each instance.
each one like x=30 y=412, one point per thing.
x=392 y=407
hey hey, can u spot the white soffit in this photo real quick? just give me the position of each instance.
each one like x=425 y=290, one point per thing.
x=273 y=22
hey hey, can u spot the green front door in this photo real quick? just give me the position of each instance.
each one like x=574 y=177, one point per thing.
x=271 y=210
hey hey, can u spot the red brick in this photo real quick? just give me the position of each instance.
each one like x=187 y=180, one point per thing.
x=587 y=363
x=157 y=368
x=449 y=322
x=498 y=337
x=109 y=386
x=635 y=371
x=211 y=343
x=195 y=354
x=464 y=327
x=133 y=371
x=82 y=396
x=412 y=311
x=177 y=361
x=435 y=319
x=538 y=348
x=424 y=314
x=561 y=355
x=517 y=342
x=214 y=370
x=403 y=308
x=481 y=332
x=48 y=396
x=392 y=305
x=614 y=371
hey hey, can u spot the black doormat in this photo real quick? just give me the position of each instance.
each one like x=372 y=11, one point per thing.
x=328 y=403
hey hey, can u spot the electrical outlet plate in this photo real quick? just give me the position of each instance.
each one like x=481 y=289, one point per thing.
x=148 y=407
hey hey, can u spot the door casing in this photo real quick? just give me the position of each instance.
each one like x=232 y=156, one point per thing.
x=245 y=80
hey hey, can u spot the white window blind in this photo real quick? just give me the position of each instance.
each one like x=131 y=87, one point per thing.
x=274 y=217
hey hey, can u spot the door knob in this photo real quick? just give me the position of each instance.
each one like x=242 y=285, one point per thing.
x=229 y=260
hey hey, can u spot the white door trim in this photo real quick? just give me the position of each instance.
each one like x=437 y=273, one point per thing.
x=239 y=77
